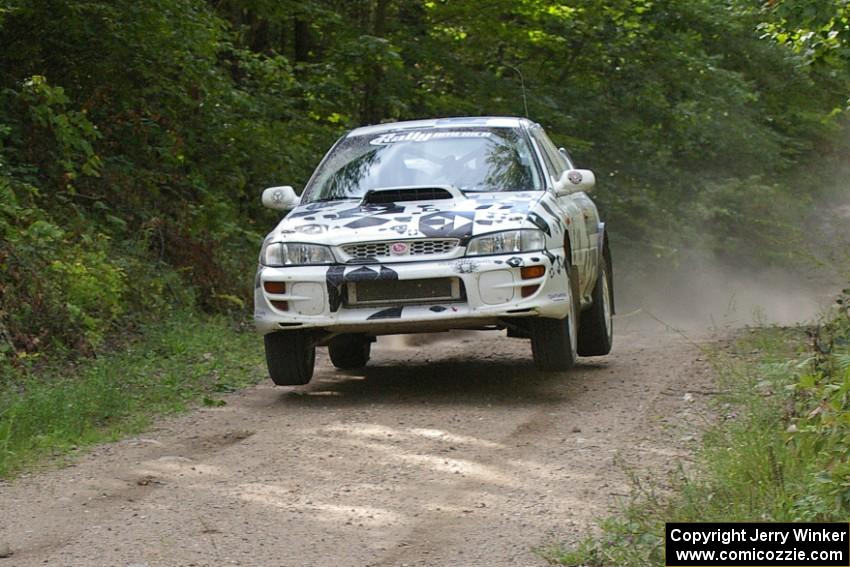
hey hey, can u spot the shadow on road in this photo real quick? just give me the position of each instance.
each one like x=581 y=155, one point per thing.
x=447 y=381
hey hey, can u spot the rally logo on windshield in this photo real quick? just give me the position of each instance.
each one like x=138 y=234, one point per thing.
x=421 y=136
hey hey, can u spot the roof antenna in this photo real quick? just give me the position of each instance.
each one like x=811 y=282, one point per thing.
x=522 y=84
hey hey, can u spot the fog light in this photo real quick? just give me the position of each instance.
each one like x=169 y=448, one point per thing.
x=531 y=272
x=274 y=287
x=282 y=305
x=528 y=290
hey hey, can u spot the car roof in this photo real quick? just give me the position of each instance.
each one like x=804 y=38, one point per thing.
x=458 y=122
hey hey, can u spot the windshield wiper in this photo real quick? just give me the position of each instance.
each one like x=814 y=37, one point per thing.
x=326 y=199
x=513 y=190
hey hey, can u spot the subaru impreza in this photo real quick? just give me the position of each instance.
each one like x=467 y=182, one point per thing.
x=434 y=225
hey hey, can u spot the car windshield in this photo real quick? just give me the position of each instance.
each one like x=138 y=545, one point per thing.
x=470 y=159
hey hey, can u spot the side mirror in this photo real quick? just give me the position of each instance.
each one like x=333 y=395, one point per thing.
x=280 y=198
x=574 y=181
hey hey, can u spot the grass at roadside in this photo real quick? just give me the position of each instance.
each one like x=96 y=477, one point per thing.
x=781 y=451
x=175 y=364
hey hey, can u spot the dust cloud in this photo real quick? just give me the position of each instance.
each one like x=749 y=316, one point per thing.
x=704 y=293
x=710 y=295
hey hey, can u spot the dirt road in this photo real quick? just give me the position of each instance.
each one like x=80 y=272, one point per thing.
x=451 y=453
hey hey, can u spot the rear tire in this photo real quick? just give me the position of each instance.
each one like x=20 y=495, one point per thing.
x=553 y=341
x=290 y=357
x=597 y=326
x=350 y=351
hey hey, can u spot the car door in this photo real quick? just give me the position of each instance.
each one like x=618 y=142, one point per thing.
x=592 y=222
x=579 y=212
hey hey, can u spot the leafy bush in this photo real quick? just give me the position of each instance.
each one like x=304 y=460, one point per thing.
x=66 y=136
x=820 y=425
x=749 y=220
x=92 y=287
x=55 y=289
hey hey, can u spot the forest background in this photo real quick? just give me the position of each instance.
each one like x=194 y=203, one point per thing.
x=135 y=137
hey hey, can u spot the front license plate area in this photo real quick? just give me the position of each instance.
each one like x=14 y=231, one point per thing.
x=378 y=292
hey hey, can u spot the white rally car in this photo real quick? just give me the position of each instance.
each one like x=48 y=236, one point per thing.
x=431 y=225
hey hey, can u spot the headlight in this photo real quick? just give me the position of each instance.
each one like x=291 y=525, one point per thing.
x=506 y=242
x=277 y=254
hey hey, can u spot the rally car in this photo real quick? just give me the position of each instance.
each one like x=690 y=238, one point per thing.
x=433 y=225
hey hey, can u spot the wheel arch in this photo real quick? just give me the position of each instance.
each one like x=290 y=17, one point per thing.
x=568 y=250
x=603 y=252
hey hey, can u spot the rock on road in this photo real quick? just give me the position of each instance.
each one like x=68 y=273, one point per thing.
x=453 y=453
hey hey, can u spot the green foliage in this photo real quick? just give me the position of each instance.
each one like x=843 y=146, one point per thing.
x=180 y=361
x=93 y=289
x=816 y=29
x=68 y=135
x=55 y=289
x=748 y=218
x=781 y=454
x=821 y=421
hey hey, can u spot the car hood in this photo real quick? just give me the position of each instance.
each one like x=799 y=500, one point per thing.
x=340 y=222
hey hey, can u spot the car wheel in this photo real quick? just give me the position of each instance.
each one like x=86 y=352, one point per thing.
x=596 y=335
x=290 y=357
x=553 y=341
x=350 y=351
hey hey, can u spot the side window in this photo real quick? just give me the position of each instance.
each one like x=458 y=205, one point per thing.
x=552 y=167
x=566 y=154
x=560 y=159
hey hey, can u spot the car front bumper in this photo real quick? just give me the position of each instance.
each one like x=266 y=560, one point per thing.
x=315 y=297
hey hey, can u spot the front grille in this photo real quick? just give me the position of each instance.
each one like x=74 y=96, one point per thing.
x=433 y=290
x=430 y=247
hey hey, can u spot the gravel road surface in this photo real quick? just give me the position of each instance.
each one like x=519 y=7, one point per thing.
x=451 y=452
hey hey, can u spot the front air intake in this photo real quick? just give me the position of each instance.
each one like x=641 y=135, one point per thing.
x=397 y=195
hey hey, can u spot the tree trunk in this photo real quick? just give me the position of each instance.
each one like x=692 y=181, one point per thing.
x=301 y=32
x=374 y=106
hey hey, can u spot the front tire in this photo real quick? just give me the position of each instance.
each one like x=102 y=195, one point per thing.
x=291 y=357
x=553 y=341
x=348 y=352
x=597 y=326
